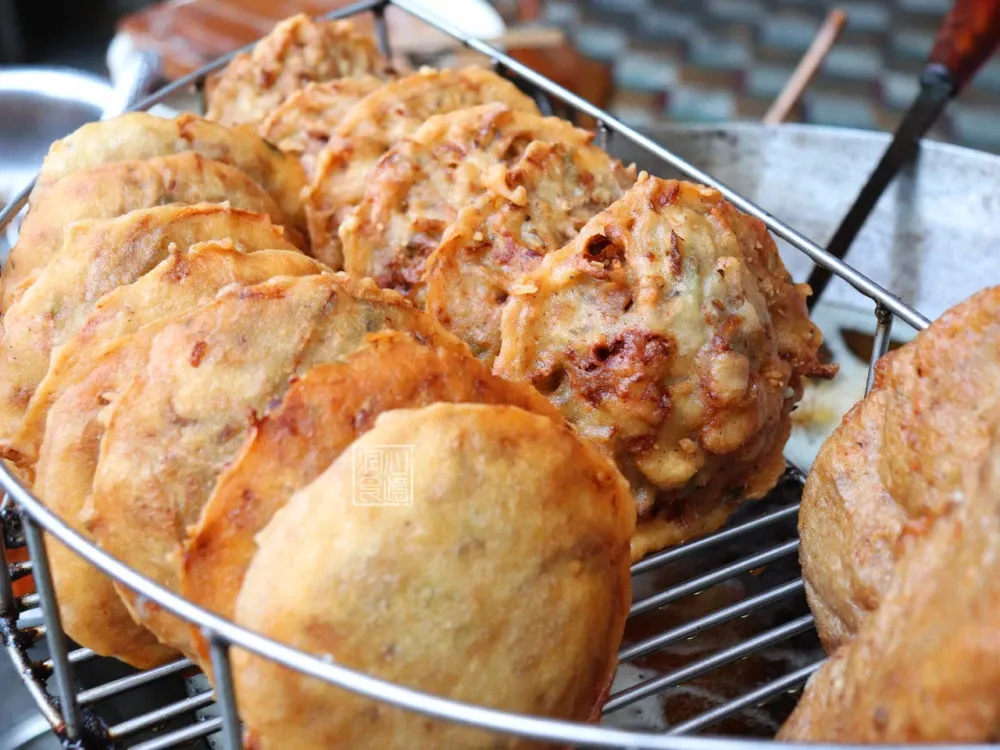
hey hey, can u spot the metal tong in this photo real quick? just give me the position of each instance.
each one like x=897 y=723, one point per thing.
x=968 y=36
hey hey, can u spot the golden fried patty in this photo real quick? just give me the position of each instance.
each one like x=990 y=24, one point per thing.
x=138 y=135
x=97 y=257
x=670 y=334
x=304 y=122
x=111 y=190
x=322 y=413
x=185 y=416
x=93 y=375
x=925 y=666
x=296 y=52
x=896 y=460
x=415 y=191
x=536 y=206
x=378 y=121
x=502 y=581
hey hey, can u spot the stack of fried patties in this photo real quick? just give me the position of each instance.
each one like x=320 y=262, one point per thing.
x=536 y=345
x=900 y=527
x=657 y=318
x=175 y=374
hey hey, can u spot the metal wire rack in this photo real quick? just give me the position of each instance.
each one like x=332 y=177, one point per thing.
x=718 y=625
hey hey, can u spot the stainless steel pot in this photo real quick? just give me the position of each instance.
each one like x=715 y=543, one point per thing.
x=933 y=240
x=39 y=106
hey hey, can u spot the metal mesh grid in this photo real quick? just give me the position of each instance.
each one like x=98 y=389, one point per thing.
x=737 y=591
x=170 y=720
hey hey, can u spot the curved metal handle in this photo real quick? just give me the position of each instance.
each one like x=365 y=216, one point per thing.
x=969 y=35
x=135 y=82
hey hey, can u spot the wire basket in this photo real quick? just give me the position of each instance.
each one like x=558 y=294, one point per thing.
x=737 y=633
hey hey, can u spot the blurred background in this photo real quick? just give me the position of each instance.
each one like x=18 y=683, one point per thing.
x=664 y=60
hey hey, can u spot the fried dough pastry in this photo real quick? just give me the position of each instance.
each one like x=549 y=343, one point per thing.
x=895 y=461
x=304 y=122
x=394 y=111
x=91 y=611
x=137 y=135
x=415 y=191
x=182 y=281
x=321 y=415
x=503 y=582
x=296 y=52
x=98 y=256
x=925 y=667
x=849 y=525
x=670 y=334
x=130 y=317
x=187 y=414
x=529 y=210
x=112 y=190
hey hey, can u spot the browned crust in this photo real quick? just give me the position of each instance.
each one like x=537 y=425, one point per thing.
x=138 y=135
x=388 y=114
x=415 y=190
x=896 y=459
x=653 y=332
x=209 y=375
x=111 y=190
x=97 y=258
x=529 y=210
x=322 y=413
x=923 y=668
x=305 y=121
x=92 y=613
x=297 y=51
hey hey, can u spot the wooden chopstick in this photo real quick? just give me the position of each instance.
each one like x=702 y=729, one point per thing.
x=807 y=68
x=520 y=37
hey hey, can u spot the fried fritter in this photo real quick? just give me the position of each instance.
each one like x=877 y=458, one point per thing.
x=187 y=414
x=81 y=395
x=381 y=119
x=111 y=190
x=303 y=124
x=137 y=135
x=98 y=256
x=415 y=191
x=170 y=288
x=322 y=413
x=896 y=460
x=296 y=52
x=944 y=400
x=503 y=581
x=925 y=667
x=848 y=508
x=670 y=334
x=91 y=611
x=531 y=209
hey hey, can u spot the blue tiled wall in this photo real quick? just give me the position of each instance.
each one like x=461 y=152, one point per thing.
x=727 y=59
